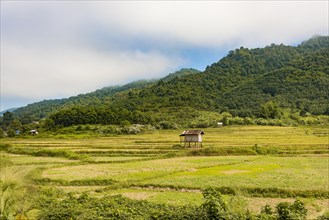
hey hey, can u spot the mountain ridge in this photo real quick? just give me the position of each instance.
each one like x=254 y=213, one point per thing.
x=295 y=77
x=43 y=108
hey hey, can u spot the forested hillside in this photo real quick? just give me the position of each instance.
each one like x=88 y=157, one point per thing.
x=295 y=77
x=39 y=110
x=246 y=83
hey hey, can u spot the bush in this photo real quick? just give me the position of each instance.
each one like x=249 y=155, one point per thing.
x=206 y=119
x=124 y=123
x=265 y=150
x=56 y=206
x=236 y=121
x=134 y=129
x=167 y=125
x=266 y=213
x=53 y=204
x=11 y=133
x=287 y=211
x=214 y=205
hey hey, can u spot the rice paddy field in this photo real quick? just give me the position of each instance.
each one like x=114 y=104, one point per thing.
x=252 y=165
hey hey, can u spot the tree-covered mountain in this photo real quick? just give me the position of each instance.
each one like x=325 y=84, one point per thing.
x=242 y=83
x=104 y=96
x=179 y=74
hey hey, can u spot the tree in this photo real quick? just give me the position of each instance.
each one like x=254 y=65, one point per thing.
x=11 y=132
x=1 y=133
x=271 y=110
x=8 y=117
x=214 y=205
x=15 y=124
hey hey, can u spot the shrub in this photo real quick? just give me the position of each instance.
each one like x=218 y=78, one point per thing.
x=287 y=211
x=134 y=129
x=267 y=210
x=265 y=150
x=84 y=206
x=124 y=123
x=167 y=125
x=236 y=121
x=214 y=205
x=226 y=190
x=266 y=213
x=11 y=133
x=53 y=204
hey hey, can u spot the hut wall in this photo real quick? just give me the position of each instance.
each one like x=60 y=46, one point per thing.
x=200 y=138
x=193 y=138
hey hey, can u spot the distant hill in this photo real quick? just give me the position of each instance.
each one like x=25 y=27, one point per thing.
x=295 y=77
x=42 y=109
x=8 y=110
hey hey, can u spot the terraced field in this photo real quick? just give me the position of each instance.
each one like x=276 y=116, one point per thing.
x=257 y=164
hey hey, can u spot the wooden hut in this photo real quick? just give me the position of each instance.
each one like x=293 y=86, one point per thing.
x=34 y=132
x=192 y=136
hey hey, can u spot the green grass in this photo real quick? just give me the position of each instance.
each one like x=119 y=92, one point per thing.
x=25 y=159
x=289 y=173
x=138 y=171
x=302 y=173
x=217 y=137
x=251 y=161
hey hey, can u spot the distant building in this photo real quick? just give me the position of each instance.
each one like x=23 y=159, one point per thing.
x=34 y=132
x=192 y=136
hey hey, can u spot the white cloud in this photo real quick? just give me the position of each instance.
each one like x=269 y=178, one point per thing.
x=213 y=23
x=58 y=48
x=45 y=72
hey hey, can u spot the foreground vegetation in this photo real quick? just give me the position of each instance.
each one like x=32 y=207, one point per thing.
x=242 y=172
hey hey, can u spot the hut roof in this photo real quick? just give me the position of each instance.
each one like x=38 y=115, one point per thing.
x=191 y=132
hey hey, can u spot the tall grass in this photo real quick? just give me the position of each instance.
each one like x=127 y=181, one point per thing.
x=15 y=194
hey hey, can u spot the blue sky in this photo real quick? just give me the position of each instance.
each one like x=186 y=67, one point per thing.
x=57 y=49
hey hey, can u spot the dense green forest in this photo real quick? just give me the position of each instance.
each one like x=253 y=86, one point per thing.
x=246 y=86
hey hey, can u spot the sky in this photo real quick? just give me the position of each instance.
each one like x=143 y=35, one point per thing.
x=57 y=49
